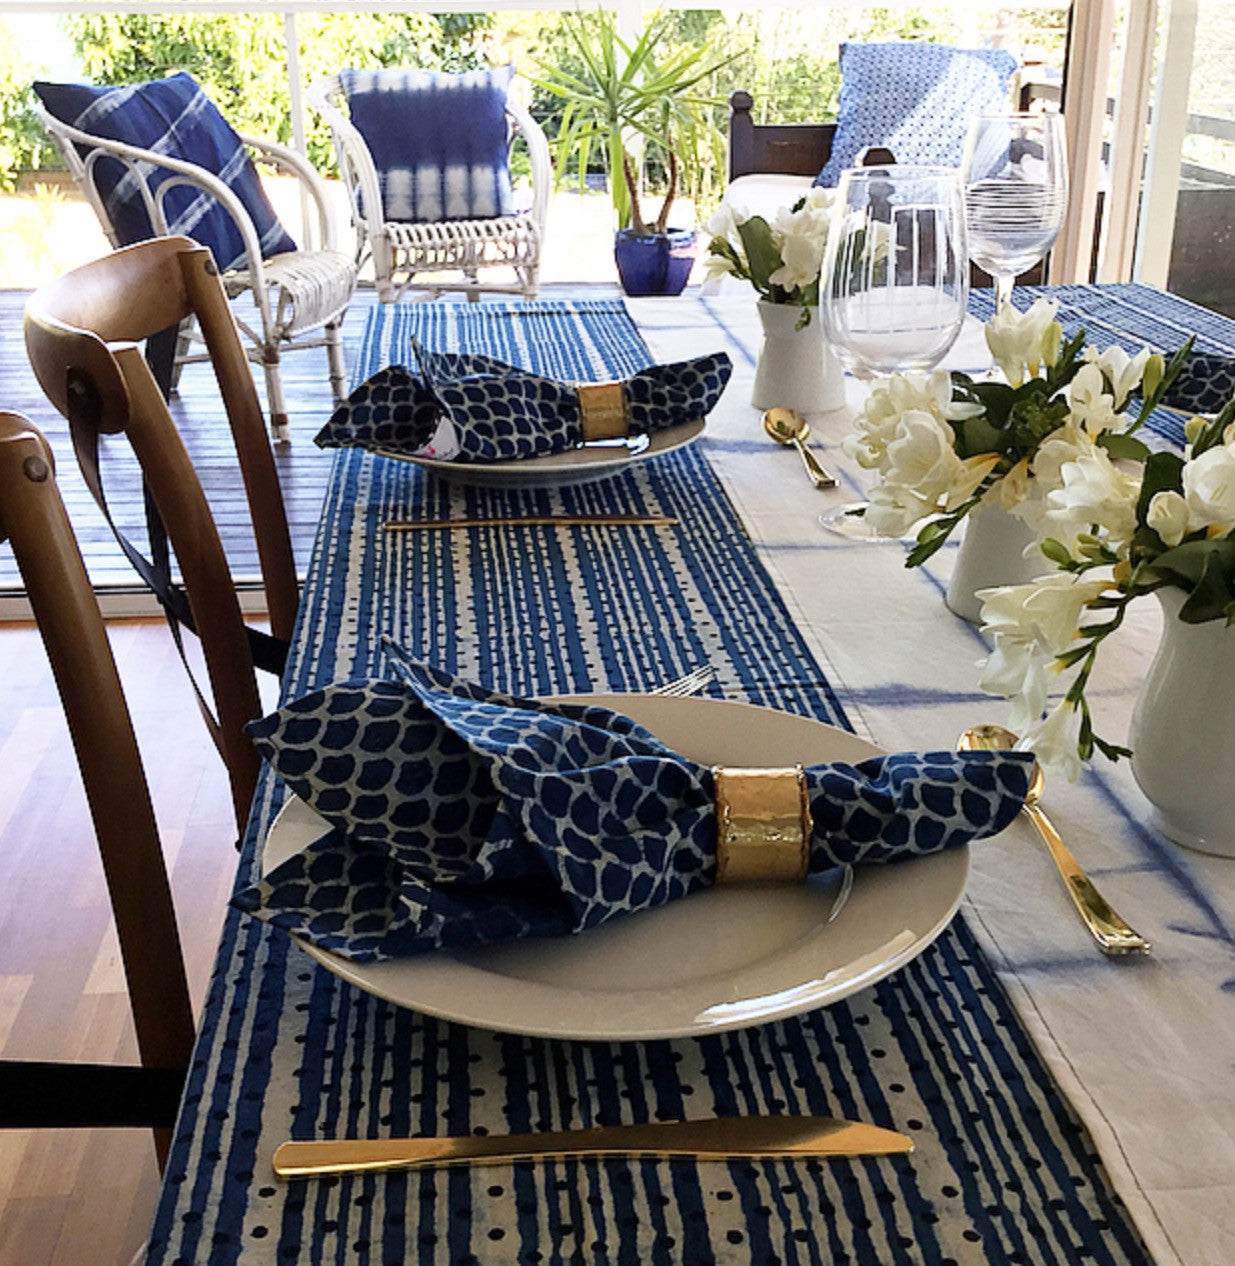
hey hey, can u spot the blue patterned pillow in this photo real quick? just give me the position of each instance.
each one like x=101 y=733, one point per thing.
x=170 y=116
x=915 y=99
x=440 y=142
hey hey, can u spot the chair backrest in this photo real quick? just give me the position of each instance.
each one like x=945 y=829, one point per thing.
x=128 y=147
x=779 y=149
x=83 y=335
x=363 y=172
x=33 y=519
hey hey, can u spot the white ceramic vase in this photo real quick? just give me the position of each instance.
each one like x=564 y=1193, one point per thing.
x=992 y=552
x=796 y=368
x=1183 y=732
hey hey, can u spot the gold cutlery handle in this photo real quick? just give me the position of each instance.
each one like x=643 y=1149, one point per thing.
x=1111 y=932
x=532 y=520
x=721 y=1139
x=820 y=476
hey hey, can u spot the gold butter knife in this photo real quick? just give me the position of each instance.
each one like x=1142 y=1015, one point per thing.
x=532 y=520
x=721 y=1139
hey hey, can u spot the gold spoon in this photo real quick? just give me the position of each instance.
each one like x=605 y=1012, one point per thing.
x=1113 y=935
x=788 y=426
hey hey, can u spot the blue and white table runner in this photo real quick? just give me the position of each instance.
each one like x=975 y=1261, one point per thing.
x=1003 y=1172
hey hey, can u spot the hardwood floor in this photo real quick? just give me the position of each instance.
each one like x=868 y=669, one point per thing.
x=81 y=1198
x=72 y=1198
x=85 y=1198
x=303 y=467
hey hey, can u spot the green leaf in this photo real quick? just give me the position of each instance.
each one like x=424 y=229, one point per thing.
x=1163 y=473
x=1120 y=445
x=1211 y=596
x=762 y=256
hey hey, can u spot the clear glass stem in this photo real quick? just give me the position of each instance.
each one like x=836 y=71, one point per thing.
x=1003 y=290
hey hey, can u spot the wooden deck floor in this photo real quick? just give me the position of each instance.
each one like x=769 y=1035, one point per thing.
x=303 y=467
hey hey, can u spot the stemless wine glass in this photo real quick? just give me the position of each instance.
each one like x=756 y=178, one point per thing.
x=895 y=280
x=1016 y=191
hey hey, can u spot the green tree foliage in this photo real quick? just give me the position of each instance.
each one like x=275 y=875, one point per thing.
x=241 y=61
x=786 y=57
x=23 y=146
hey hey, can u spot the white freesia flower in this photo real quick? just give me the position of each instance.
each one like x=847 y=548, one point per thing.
x=892 y=510
x=780 y=255
x=921 y=455
x=716 y=266
x=1094 y=492
x=1031 y=625
x=1018 y=669
x=1209 y=489
x=889 y=400
x=1046 y=611
x=802 y=258
x=1021 y=342
x=1123 y=372
x=1090 y=404
x=1054 y=740
x=1168 y=516
x=722 y=223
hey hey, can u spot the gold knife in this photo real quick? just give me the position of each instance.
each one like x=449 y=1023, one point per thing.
x=532 y=520
x=721 y=1138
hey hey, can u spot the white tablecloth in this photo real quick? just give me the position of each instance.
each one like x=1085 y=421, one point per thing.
x=1144 y=1048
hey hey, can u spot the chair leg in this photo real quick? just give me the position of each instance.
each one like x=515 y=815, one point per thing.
x=279 y=428
x=334 y=357
x=184 y=345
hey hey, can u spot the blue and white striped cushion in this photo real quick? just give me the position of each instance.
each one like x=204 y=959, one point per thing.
x=914 y=99
x=170 y=116
x=439 y=141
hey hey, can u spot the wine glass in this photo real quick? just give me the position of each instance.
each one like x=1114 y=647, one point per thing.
x=895 y=280
x=1016 y=191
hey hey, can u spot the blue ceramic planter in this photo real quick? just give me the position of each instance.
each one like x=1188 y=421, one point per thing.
x=654 y=263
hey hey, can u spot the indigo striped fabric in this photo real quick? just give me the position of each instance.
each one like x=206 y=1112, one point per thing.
x=1002 y=1174
x=439 y=141
x=174 y=117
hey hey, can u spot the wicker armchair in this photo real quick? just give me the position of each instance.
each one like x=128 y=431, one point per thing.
x=415 y=253
x=298 y=297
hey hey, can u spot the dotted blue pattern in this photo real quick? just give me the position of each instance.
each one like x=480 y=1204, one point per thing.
x=1003 y=1173
x=500 y=413
x=914 y=99
x=463 y=816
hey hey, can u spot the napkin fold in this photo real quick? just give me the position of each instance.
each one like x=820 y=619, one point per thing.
x=461 y=817
x=1205 y=384
x=466 y=408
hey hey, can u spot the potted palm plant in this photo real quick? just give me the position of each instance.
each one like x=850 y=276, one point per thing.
x=639 y=112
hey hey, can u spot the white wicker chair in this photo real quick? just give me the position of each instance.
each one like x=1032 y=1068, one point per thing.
x=294 y=295
x=401 y=251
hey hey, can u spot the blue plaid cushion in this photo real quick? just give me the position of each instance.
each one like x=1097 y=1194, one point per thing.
x=170 y=116
x=439 y=141
x=915 y=99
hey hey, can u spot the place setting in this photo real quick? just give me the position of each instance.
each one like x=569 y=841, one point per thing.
x=443 y=923
x=477 y=420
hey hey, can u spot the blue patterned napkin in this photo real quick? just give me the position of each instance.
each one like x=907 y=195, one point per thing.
x=1205 y=384
x=475 y=409
x=462 y=817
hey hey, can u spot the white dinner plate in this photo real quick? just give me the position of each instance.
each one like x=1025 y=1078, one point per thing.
x=721 y=959
x=558 y=470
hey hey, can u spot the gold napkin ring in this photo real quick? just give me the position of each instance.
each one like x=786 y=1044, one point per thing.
x=763 y=824
x=603 y=409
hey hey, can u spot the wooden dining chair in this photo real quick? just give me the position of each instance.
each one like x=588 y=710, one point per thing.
x=84 y=335
x=37 y=1094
